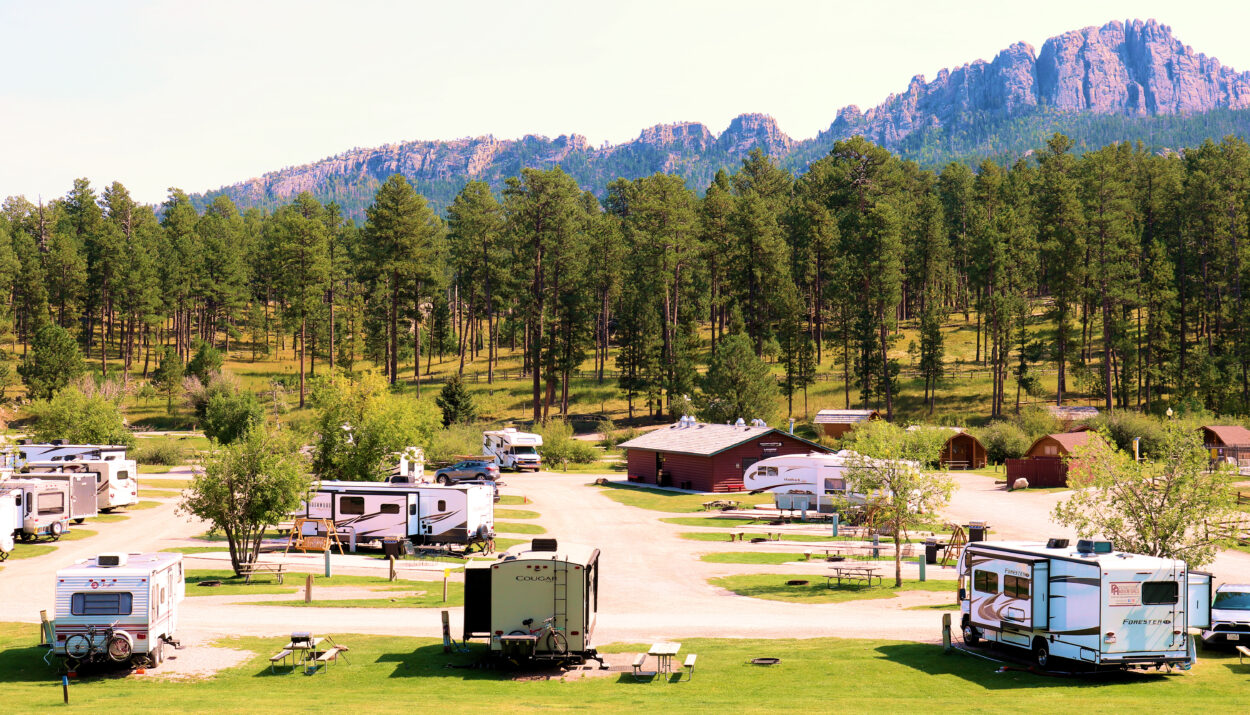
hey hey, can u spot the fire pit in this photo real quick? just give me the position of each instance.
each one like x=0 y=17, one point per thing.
x=758 y=540
x=209 y=583
x=796 y=582
x=765 y=661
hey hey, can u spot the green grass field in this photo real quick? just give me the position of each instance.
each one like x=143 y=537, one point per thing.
x=672 y=502
x=431 y=598
x=22 y=550
x=750 y=557
x=518 y=527
x=232 y=585
x=515 y=514
x=773 y=588
x=512 y=499
x=389 y=674
x=724 y=536
x=726 y=522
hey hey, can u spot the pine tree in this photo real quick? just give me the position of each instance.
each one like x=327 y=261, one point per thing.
x=456 y=402
x=52 y=363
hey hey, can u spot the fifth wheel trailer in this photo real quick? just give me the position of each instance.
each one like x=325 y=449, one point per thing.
x=82 y=492
x=424 y=514
x=116 y=480
x=821 y=475
x=1092 y=604
x=508 y=601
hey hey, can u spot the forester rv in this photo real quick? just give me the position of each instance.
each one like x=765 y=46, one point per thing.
x=1092 y=604
x=118 y=607
x=424 y=514
x=115 y=481
x=512 y=449
x=513 y=600
x=44 y=507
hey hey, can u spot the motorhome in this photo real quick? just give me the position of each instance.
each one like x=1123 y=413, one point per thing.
x=118 y=607
x=44 y=507
x=821 y=475
x=512 y=449
x=58 y=451
x=424 y=514
x=115 y=482
x=1090 y=604
x=537 y=601
x=82 y=491
x=10 y=519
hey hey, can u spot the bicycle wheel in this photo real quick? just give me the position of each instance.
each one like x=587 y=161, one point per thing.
x=557 y=644
x=78 y=646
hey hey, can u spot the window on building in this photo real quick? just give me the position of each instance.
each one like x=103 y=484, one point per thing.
x=985 y=581
x=1050 y=450
x=442 y=505
x=351 y=505
x=1155 y=593
x=100 y=604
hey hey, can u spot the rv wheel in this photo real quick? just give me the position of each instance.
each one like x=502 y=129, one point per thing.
x=1041 y=653
x=56 y=529
x=972 y=636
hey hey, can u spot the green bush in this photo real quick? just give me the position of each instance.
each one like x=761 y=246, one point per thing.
x=79 y=419
x=1037 y=421
x=1003 y=440
x=1124 y=427
x=449 y=444
x=166 y=452
x=559 y=447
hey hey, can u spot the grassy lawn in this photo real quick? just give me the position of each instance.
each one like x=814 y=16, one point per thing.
x=723 y=536
x=663 y=500
x=727 y=522
x=158 y=493
x=512 y=499
x=518 y=527
x=23 y=550
x=196 y=549
x=77 y=532
x=773 y=588
x=154 y=469
x=432 y=598
x=232 y=585
x=750 y=557
x=107 y=518
x=503 y=543
x=388 y=674
x=516 y=514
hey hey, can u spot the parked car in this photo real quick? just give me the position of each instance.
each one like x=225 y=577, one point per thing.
x=470 y=470
x=1230 y=615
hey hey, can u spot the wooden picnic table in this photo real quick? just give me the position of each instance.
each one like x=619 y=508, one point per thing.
x=251 y=569
x=855 y=574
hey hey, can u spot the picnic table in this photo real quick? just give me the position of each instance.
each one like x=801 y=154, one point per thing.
x=248 y=570
x=306 y=653
x=720 y=504
x=664 y=654
x=854 y=574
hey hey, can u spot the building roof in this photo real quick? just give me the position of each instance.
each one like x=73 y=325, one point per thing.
x=1230 y=434
x=703 y=439
x=1073 y=412
x=844 y=416
x=1067 y=440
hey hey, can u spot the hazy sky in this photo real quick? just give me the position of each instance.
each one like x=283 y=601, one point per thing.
x=201 y=94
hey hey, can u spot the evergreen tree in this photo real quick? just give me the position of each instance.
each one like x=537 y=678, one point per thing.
x=52 y=363
x=456 y=402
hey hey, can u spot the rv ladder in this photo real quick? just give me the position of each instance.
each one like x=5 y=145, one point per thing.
x=560 y=590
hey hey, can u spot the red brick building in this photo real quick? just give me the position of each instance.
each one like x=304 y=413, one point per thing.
x=706 y=457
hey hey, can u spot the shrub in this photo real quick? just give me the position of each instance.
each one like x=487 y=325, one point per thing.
x=205 y=363
x=79 y=419
x=1003 y=440
x=230 y=414
x=1037 y=421
x=559 y=446
x=449 y=444
x=166 y=452
x=1124 y=427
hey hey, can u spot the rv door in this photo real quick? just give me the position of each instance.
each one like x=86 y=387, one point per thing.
x=1198 y=599
x=1041 y=595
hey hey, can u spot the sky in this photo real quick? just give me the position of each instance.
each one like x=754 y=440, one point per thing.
x=197 y=95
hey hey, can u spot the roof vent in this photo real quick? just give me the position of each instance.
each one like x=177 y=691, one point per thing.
x=543 y=545
x=1056 y=543
x=111 y=560
x=1089 y=546
x=740 y=423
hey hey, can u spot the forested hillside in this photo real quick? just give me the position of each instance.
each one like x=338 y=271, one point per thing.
x=1117 y=274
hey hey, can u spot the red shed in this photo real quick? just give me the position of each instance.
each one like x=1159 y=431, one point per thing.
x=1045 y=464
x=707 y=457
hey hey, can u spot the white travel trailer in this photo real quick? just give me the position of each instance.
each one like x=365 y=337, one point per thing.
x=10 y=519
x=512 y=449
x=821 y=475
x=82 y=493
x=537 y=601
x=1092 y=605
x=115 y=481
x=44 y=507
x=424 y=514
x=56 y=451
x=408 y=466
x=118 y=607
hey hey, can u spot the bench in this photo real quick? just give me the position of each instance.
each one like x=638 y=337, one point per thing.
x=639 y=674
x=1242 y=653
x=250 y=570
x=689 y=665
x=280 y=657
x=330 y=656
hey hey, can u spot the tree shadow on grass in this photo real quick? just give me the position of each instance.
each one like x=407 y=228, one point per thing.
x=26 y=665
x=930 y=660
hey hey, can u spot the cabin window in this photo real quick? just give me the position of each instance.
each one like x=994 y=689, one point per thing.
x=442 y=505
x=1155 y=593
x=985 y=581
x=1050 y=450
x=390 y=509
x=1016 y=586
x=351 y=505
x=100 y=604
x=51 y=502
x=412 y=510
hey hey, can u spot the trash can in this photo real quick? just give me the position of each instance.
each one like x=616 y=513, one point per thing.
x=392 y=547
x=977 y=531
x=930 y=550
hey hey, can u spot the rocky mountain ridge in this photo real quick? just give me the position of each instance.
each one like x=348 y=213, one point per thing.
x=1135 y=70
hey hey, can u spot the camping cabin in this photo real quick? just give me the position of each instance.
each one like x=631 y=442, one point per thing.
x=836 y=423
x=118 y=607
x=1088 y=604
x=1045 y=464
x=707 y=457
x=510 y=600
x=960 y=451
x=115 y=482
x=1228 y=444
x=44 y=507
x=424 y=514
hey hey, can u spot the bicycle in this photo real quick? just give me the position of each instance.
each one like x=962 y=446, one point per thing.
x=557 y=643
x=82 y=646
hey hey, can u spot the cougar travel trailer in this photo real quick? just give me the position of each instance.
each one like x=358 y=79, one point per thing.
x=818 y=474
x=44 y=507
x=82 y=494
x=56 y=451
x=118 y=607
x=424 y=514
x=1091 y=604
x=10 y=518
x=115 y=481
x=512 y=449
x=537 y=601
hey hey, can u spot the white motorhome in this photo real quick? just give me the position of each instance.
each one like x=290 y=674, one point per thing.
x=821 y=475
x=115 y=481
x=44 y=507
x=57 y=451
x=1092 y=604
x=118 y=607
x=424 y=514
x=512 y=449
x=511 y=599
x=10 y=519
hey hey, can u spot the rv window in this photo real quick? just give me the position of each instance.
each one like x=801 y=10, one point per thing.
x=389 y=509
x=412 y=510
x=100 y=604
x=832 y=486
x=442 y=505
x=769 y=471
x=1154 y=593
x=985 y=581
x=51 y=502
x=1016 y=587
x=123 y=475
x=351 y=505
